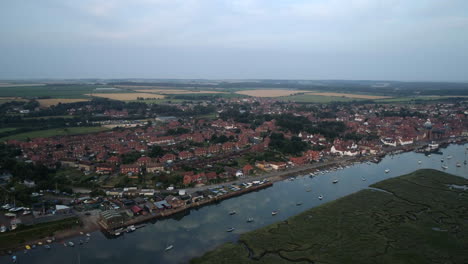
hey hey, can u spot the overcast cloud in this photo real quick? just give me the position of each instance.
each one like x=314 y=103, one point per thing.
x=296 y=39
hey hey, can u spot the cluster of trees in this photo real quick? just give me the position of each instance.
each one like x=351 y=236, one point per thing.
x=293 y=146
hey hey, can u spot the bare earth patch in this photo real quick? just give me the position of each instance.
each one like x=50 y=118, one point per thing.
x=360 y=96
x=174 y=91
x=127 y=96
x=50 y=102
x=269 y=92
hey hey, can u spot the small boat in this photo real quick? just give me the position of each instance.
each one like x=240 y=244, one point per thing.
x=444 y=167
x=117 y=233
x=33 y=246
x=47 y=246
x=299 y=204
x=3 y=229
x=28 y=247
x=250 y=220
x=363 y=179
x=71 y=244
x=458 y=164
x=13 y=258
x=81 y=233
x=387 y=170
x=335 y=181
x=419 y=162
x=81 y=242
x=230 y=229
x=131 y=228
x=39 y=243
x=88 y=234
x=308 y=190
x=49 y=240
x=441 y=160
x=274 y=213
x=449 y=157
x=169 y=248
x=65 y=244
x=320 y=197
x=232 y=212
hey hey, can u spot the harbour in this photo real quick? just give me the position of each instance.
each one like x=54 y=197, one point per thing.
x=190 y=233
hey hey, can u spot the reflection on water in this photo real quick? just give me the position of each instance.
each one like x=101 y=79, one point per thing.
x=205 y=228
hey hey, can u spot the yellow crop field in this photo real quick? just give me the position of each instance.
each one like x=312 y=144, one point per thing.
x=127 y=96
x=269 y=92
x=50 y=102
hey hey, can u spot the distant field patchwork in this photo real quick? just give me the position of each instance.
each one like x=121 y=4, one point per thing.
x=348 y=95
x=269 y=92
x=127 y=96
x=174 y=91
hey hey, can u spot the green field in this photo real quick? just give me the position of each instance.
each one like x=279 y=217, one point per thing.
x=54 y=132
x=415 y=218
x=11 y=240
x=7 y=129
x=310 y=98
x=55 y=91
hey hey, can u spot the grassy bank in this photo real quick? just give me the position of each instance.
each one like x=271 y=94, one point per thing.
x=14 y=239
x=418 y=218
x=54 y=132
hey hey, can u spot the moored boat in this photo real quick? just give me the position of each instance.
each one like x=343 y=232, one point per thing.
x=230 y=229
x=274 y=213
x=169 y=248
x=320 y=197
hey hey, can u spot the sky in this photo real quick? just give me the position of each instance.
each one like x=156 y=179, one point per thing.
x=408 y=40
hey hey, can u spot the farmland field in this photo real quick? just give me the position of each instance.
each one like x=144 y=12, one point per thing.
x=54 y=132
x=269 y=92
x=348 y=95
x=414 y=218
x=177 y=91
x=310 y=98
x=127 y=96
x=50 y=102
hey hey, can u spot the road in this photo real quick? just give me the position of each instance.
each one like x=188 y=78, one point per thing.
x=278 y=175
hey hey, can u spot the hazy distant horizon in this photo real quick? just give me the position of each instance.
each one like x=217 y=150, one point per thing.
x=421 y=40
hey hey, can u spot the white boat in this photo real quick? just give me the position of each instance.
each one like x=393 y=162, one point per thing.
x=169 y=248
x=71 y=244
x=230 y=229
x=3 y=229
x=250 y=220
x=320 y=197
x=274 y=213
x=88 y=234
x=363 y=179
x=131 y=228
x=419 y=162
x=444 y=167
x=458 y=164
x=387 y=170
x=232 y=212
x=335 y=181
x=117 y=233
x=308 y=190
x=449 y=157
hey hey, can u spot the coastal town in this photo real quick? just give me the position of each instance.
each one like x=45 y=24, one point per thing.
x=142 y=169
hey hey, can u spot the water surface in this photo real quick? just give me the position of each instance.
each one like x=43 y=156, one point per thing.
x=203 y=229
